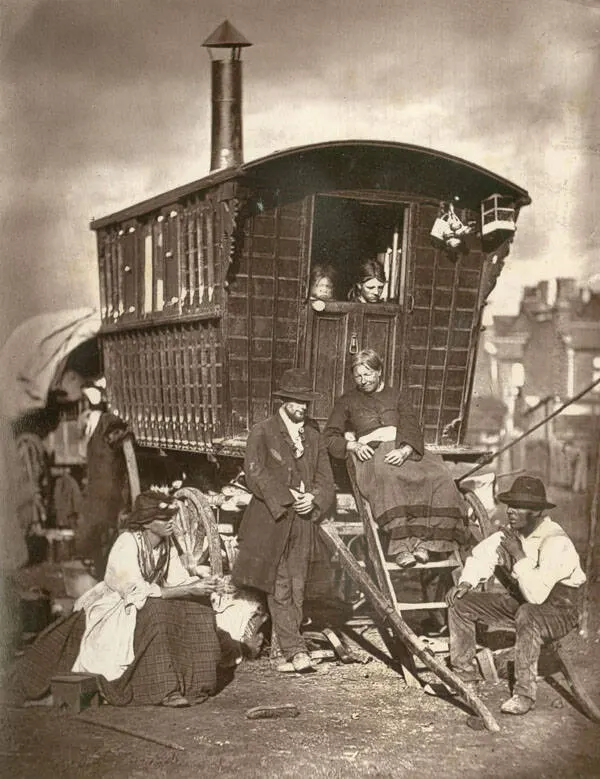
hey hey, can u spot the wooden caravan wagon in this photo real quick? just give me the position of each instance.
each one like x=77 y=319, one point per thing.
x=206 y=297
x=205 y=290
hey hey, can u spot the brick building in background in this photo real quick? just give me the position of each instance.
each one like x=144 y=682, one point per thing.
x=535 y=361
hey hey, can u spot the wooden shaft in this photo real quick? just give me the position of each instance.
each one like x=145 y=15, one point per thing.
x=132 y=468
x=389 y=615
x=488 y=458
x=584 y=700
x=589 y=560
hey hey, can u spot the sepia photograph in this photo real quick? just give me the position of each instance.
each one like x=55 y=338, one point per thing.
x=300 y=389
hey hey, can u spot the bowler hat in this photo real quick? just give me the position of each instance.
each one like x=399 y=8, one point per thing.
x=296 y=384
x=527 y=492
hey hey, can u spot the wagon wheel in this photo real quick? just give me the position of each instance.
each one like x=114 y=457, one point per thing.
x=200 y=514
x=479 y=520
x=35 y=474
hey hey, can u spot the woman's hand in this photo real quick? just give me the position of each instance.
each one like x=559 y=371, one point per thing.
x=398 y=456
x=200 y=588
x=362 y=451
x=204 y=587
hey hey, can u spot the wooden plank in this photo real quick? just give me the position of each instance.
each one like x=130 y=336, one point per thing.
x=204 y=384
x=447 y=353
x=590 y=549
x=582 y=696
x=210 y=251
x=215 y=383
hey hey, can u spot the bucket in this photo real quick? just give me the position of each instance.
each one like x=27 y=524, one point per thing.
x=61 y=544
x=36 y=610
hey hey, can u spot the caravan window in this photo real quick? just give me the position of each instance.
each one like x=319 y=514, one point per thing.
x=346 y=233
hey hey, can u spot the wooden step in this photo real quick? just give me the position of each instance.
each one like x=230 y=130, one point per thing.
x=450 y=563
x=426 y=606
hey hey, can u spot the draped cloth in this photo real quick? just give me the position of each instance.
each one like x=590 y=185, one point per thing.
x=416 y=500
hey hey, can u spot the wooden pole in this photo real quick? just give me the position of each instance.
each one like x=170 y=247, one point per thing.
x=488 y=458
x=134 y=733
x=589 y=559
x=393 y=619
x=132 y=468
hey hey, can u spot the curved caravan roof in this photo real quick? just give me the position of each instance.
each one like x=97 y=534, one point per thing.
x=347 y=165
x=384 y=165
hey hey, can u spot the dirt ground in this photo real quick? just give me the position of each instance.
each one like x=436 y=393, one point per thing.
x=356 y=720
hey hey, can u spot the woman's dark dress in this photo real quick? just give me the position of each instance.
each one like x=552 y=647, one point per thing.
x=417 y=502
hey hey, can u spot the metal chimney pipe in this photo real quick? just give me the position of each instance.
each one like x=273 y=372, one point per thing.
x=226 y=134
x=226 y=87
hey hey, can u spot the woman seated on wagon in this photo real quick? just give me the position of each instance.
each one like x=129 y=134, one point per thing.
x=410 y=491
x=370 y=284
x=147 y=631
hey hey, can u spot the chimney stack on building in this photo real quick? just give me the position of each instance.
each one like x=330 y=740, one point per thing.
x=226 y=93
x=566 y=292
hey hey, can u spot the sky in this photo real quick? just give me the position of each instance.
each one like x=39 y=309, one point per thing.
x=107 y=102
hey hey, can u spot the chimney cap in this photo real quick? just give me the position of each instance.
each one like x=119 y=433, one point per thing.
x=226 y=37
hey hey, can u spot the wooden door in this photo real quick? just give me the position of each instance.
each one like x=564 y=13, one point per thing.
x=335 y=332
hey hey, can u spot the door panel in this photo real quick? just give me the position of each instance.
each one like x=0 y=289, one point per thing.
x=327 y=356
x=380 y=332
x=339 y=331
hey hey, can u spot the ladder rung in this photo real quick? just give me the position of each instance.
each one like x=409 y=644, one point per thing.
x=434 y=604
x=434 y=564
x=350 y=528
x=418 y=566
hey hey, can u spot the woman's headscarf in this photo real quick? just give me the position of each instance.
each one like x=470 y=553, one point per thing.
x=148 y=506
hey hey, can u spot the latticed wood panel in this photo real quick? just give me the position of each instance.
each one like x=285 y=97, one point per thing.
x=167 y=382
x=164 y=263
x=264 y=311
x=442 y=334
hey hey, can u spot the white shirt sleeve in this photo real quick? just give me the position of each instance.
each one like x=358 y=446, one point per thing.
x=483 y=559
x=556 y=561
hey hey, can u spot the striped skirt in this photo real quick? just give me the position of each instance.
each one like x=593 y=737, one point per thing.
x=417 y=502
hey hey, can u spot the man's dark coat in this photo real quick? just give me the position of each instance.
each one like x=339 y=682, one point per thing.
x=271 y=469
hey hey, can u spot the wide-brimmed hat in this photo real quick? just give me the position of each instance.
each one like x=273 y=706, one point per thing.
x=296 y=384
x=527 y=492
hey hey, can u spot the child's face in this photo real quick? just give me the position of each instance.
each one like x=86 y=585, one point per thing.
x=322 y=289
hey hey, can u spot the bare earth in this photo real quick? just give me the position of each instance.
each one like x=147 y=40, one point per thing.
x=355 y=720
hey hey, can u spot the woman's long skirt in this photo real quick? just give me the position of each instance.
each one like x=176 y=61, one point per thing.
x=416 y=503
x=175 y=646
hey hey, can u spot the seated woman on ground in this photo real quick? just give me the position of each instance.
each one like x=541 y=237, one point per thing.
x=370 y=284
x=322 y=283
x=410 y=491
x=147 y=631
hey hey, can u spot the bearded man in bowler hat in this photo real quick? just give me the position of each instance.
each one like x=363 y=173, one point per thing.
x=538 y=563
x=289 y=474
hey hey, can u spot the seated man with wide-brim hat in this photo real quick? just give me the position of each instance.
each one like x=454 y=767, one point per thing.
x=543 y=573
